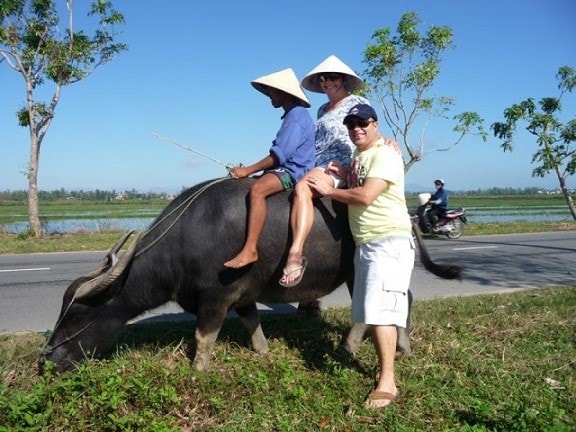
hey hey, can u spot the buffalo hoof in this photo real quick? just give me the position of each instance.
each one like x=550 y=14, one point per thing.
x=355 y=338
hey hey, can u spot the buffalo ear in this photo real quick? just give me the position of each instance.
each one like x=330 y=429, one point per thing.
x=113 y=268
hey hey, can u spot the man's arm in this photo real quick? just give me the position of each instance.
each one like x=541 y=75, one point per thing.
x=362 y=195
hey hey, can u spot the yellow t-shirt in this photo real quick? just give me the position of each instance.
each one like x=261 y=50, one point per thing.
x=387 y=215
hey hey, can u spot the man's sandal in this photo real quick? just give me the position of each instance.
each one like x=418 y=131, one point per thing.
x=380 y=396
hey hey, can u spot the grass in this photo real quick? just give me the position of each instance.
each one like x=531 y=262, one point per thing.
x=18 y=211
x=483 y=363
x=82 y=241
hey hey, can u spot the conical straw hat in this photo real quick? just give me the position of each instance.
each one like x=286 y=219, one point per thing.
x=332 y=64
x=284 y=80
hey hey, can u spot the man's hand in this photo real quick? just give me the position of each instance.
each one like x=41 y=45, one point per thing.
x=336 y=169
x=318 y=185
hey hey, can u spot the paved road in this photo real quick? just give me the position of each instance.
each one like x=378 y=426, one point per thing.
x=32 y=285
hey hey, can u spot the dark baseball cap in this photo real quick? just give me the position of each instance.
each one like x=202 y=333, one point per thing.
x=364 y=111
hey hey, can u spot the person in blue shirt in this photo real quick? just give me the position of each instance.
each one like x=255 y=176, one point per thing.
x=439 y=203
x=289 y=158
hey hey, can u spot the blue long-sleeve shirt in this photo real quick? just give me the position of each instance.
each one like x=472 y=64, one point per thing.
x=294 y=144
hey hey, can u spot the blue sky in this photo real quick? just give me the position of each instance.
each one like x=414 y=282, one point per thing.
x=187 y=76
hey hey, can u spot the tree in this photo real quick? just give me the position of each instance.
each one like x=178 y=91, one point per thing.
x=554 y=138
x=33 y=44
x=400 y=74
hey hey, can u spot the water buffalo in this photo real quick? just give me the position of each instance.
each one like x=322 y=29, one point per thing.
x=180 y=257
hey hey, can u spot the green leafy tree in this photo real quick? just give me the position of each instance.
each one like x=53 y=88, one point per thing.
x=401 y=71
x=555 y=151
x=34 y=43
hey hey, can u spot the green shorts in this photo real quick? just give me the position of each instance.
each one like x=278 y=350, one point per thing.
x=284 y=177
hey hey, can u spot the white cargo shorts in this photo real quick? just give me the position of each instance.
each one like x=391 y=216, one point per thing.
x=383 y=269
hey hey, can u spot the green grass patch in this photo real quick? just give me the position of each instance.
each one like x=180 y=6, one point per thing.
x=81 y=241
x=483 y=363
x=517 y=227
x=495 y=201
x=58 y=210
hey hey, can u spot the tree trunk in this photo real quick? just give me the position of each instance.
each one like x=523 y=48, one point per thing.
x=33 y=207
x=566 y=194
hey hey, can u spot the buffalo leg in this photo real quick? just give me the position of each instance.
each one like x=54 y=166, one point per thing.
x=355 y=338
x=403 y=342
x=204 y=344
x=209 y=323
x=357 y=332
x=310 y=309
x=251 y=321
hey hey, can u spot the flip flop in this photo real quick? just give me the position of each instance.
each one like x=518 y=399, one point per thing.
x=376 y=396
x=301 y=269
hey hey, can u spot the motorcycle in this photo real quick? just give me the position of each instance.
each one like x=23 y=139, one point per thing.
x=451 y=224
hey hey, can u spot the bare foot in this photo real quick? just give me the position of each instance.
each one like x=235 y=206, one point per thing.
x=242 y=259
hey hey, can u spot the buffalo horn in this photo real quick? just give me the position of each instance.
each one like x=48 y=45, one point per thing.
x=110 y=258
x=98 y=284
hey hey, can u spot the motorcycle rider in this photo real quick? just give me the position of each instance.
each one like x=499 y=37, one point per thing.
x=439 y=204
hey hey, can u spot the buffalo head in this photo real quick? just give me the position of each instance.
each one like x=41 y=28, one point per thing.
x=90 y=316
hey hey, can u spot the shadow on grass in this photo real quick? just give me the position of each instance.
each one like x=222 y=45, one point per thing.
x=313 y=337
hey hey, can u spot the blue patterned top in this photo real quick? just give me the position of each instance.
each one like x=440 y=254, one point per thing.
x=332 y=140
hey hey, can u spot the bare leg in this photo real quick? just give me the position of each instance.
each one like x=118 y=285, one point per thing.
x=301 y=220
x=265 y=186
x=385 y=343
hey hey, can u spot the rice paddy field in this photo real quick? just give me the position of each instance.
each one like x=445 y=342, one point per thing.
x=98 y=216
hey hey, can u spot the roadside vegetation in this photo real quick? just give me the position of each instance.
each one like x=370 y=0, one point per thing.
x=484 y=363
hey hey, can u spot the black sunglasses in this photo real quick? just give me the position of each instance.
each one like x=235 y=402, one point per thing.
x=358 y=123
x=330 y=77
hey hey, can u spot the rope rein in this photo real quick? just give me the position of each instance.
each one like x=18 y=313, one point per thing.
x=49 y=349
x=184 y=205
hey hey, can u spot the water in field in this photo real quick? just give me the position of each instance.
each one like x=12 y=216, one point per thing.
x=474 y=215
x=83 y=225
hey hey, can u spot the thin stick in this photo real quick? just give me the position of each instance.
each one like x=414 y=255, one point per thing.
x=171 y=141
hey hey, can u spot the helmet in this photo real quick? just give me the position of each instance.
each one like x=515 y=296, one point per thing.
x=439 y=181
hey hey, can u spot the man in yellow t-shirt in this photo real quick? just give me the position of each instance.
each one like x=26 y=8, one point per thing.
x=382 y=231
